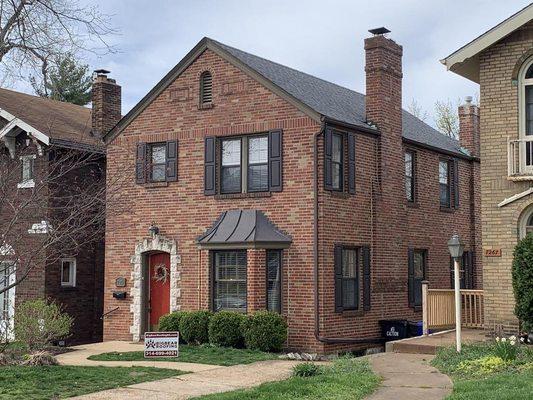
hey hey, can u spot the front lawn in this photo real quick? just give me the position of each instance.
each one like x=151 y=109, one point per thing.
x=196 y=354
x=490 y=379
x=346 y=379
x=51 y=382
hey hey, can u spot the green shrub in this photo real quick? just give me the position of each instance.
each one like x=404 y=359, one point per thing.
x=306 y=370
x=170 y=322
x=194 y=327
x=38 y=323
x=523 y=281
x=225 y=329
x=265 y=331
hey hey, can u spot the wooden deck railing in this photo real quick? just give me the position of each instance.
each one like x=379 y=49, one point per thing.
x=438 y=308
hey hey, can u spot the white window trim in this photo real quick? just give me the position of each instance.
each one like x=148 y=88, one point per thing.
x=30 y=183
x=8 y=325
x=73 y=268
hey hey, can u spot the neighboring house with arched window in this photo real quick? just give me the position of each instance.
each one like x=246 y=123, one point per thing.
x=501 y=62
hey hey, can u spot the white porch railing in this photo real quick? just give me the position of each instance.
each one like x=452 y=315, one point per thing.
x=438 y=308
x=520 y=158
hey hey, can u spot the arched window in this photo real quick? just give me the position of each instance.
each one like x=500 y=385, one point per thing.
x=206 y=88
x=526 y=223
x=526 y=115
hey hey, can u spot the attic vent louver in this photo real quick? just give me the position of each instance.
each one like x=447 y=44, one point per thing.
x=206 y=88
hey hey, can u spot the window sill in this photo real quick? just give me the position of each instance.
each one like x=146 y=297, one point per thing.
x=413 y=204
x=68 y=288
x=339 y=194
x=353 y=313
x=153 y=185
x=205 y=106
x=417 y=308
x=26 y=184
x=446 y=209
x=243 y=195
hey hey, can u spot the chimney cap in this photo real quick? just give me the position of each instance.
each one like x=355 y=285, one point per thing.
x=379 y=31
x=468 y=99
x=101 y=71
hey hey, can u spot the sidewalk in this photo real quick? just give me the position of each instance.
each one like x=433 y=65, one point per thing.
x=215 y=380
x=409 y=377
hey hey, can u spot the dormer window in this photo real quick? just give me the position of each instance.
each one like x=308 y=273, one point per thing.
x=206 y=88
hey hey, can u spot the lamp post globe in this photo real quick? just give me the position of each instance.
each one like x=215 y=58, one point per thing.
x=456 y=246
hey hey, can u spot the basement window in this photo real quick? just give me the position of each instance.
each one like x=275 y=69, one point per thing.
x=68 y=272
x=206 y=88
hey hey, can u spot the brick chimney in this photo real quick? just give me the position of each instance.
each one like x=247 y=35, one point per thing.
x=469 y=126
x=383 y=69
x=106 y=103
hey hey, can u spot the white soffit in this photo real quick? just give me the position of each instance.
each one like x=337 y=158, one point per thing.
x=16 y=122
x=465 y=61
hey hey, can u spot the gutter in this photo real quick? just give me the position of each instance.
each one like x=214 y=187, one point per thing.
x=318 y=337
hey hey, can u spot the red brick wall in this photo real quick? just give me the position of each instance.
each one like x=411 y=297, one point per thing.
x=375 y=217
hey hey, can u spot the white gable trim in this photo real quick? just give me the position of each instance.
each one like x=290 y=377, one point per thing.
x=487 y=39
x=517 y=196
x=17 y=122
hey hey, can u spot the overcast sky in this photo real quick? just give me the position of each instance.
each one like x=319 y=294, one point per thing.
x=320 y=37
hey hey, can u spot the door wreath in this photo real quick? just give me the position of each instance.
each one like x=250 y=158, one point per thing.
x=160 y=273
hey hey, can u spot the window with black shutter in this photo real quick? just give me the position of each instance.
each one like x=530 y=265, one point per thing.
x=347 y=269
x=449 y=183
x=156 y=162
x=339 y=170
x=466 y=271
x=251 y=163
x=417 y=260
x=409 y=163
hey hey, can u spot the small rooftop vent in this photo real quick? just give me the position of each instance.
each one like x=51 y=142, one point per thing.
x=379 y=31
x=101 y=72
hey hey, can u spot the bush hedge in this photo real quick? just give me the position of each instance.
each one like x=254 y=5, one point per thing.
x=170 y=322
x=194 y=326
x=522 y=273
x=265 y=331
x=225 y=329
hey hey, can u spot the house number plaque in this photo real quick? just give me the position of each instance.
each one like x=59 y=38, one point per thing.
x=493 y=252
x=120 y=282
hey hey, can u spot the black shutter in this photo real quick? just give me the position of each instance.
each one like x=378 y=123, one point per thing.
x=140 y=163
x=411 y=277
x=351 y=163
x=456 y=183
x=328 y=167
x=275 y=164
x=172 y=161
x=337 y=260
x=366 y=278
x=209 y=167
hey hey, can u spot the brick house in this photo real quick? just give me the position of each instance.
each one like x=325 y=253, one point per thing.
x=500 y=61
x=255 y=186
x=40 y=136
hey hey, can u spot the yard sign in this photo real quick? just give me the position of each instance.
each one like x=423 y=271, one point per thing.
x=161 y=344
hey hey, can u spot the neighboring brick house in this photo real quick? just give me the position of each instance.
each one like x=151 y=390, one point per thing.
x=255 y=186
x=501 y=62
x=40 y=137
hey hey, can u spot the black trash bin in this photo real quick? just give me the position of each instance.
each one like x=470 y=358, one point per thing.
x=415 y=328
x=393 y=329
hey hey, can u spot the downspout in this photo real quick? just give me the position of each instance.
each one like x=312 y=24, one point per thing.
x=322 y=339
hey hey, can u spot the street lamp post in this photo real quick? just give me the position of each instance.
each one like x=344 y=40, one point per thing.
x=456 y=248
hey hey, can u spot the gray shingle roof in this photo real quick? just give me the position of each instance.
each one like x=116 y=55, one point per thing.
x=336 y=102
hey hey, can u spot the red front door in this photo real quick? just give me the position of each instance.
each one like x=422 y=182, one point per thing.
x=159 y=287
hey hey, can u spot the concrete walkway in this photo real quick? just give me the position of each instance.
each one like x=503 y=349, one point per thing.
x=215 y=380
x=409 y=377
x=78 y=356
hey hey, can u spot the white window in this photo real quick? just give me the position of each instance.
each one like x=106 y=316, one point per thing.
x=27 y=171
x=68 y=272
x=525 y=123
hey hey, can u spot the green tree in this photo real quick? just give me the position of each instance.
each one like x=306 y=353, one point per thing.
x=68 y=80
x=523 y=281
